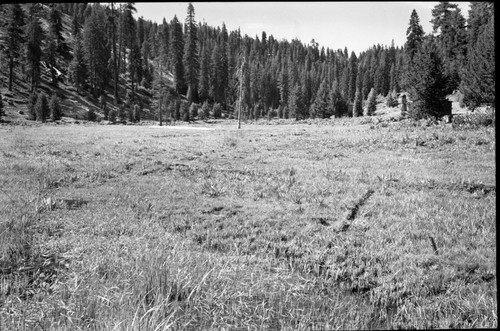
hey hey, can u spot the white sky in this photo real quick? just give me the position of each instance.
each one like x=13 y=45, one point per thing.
x=355 y=25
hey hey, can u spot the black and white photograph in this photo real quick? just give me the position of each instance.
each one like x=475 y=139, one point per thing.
x=247 y=166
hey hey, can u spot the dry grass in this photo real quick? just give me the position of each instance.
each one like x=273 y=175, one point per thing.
x=353 y=224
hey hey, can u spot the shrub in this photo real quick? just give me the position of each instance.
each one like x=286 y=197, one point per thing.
x=91 y=115
x=112 y=116
x=193 y=110
x=392 y=99
x=31 y=106
x=137 y=113
x=217 y=110
x=205 y=109
x=42 y=109
x=185 y=112
x=55 y=108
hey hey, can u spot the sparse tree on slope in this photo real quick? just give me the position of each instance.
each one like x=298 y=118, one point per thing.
x=35 y=36
x=14 y=38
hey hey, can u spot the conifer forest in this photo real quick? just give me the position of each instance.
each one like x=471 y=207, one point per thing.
x=178 y=175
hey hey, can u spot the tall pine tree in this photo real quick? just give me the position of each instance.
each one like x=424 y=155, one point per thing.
x=191 y=60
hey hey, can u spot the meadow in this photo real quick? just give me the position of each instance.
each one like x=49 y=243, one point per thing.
x=365 y=223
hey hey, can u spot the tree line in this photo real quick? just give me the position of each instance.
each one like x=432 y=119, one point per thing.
x=186 y=64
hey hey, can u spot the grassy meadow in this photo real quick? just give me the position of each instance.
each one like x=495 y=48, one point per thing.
x=363 y=223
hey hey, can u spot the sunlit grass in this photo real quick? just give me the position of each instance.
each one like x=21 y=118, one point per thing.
x=347 y=224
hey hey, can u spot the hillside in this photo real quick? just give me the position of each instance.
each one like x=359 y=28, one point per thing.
x=75 y=106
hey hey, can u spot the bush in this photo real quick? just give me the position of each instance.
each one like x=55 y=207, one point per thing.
x=31 y=106
x=42 y=109
x=91 y=115
x=112 y=116
x=392 y=99
x=474 y=120
x=55 y=108
x=184 y=112
x=122 y=115
x=217 y=110
x=137 y=113
x=205 y=109
x=193 y=110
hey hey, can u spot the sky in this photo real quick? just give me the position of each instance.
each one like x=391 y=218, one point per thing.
x=334 y=25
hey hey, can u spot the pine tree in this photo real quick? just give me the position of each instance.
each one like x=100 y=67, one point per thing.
x=427 y=81
x=14 y=38
x=337 y=102
x=96 y=50
x=55 y=108
x=371 y=106
x=451 y=39
x=35 y=36
x=203 y=81
x=78 y=66
x=191 y=60
x=42 y=109
x=478 y=76
x=31 y=106
x=50 y=59
x=414 y=36
x=319 y=109
x=176 y=54
x=357 y=109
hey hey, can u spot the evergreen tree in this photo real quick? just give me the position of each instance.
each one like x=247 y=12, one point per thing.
x=35 y=36
x=319 y=109
x=414 y=36
x=185 y=112
x=31 y=106
x=478 y=76
x=42 y=109
x=428 y=83
x=451 y=39
x=78 y=66
x=96 y=49
x=176 y=54
x=191 y=60
x=338 y=103
x=104 y=106
x=14 y=38
x=56 y=29
x=203 y=81
x=55 y=108
x=50 y=59
x=357 y=109
x=135 y=66
x=352 y=74
x=371 y=105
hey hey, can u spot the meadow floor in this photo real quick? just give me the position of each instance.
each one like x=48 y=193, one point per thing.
x=342 y=224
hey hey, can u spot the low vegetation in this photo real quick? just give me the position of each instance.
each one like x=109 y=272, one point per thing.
x=361 y=223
